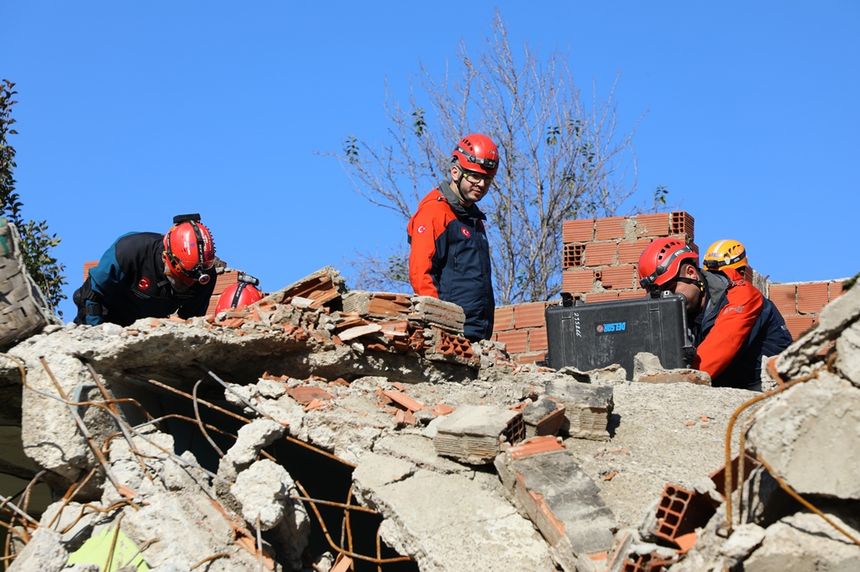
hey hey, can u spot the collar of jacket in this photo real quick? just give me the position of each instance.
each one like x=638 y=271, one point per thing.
x=460 y=210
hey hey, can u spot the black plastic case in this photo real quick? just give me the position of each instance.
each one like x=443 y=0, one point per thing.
x=591 y=336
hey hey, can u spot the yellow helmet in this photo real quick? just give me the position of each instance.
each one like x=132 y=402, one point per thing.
x=725 y=254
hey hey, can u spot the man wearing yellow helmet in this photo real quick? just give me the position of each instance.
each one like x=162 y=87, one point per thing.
x=733 y=325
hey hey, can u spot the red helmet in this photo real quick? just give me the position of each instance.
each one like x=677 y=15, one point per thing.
x=661 y=261
x=189 y=250
x=477 y=153
x=243 y=293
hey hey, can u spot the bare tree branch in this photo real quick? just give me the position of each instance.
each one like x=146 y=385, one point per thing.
x=560 y=159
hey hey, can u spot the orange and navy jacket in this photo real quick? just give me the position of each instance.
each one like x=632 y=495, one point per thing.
x=737 y=328
x=450 y=258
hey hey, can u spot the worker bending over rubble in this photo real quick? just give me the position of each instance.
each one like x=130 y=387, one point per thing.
x=145 y=274
x=733 y=325
x=450 y=254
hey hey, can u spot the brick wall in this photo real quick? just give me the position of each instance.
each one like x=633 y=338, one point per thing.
x=801 y=302
x=599 y=255
x=599 y=263
x=523 y=329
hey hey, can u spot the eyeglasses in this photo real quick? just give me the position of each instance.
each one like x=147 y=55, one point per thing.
x=476 y=178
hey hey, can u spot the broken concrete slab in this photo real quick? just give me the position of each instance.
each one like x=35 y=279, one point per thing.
x=450 y=523
x=251 y=439
x=473 y=433
x=563 y=502
x=375 y=470
x=848 y=353
x=44 y=551
x=808 y=430
x=804 y=542
x=263 y=491
x=587 y=407
x=677 y=375
x=613 y=373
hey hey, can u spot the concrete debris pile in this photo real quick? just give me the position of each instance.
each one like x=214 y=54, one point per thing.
x=327 y=430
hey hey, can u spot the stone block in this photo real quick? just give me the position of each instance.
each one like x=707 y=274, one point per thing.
x=807 y=431
x=435 y=312
x=473 y=434
x=562 y=501
x=587 y=407
x=543 y=417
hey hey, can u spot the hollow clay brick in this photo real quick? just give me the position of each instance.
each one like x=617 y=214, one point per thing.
x=577 y=281
x=618 y=277
x=652 y=225
x=784 y=296
x=812 y=297
x=609 y=228
x=577 y=230
x=599 y=253
x=515 y=341
x=601 y=296
x=530 y=315
x=537 y=340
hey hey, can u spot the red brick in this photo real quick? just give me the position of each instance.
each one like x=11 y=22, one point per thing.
x=835 y=289
x=682 y=223
x=811 y=297
x=609 y=228
x=529 y=315
x=88 y=266
x=530 y=357
x=784 y=296
x=618 y=277
x=577 y=281
x=571 y=255
x=601 y=296
x=535 y=446
x=631 y=294
x=798 y=325
x=537 y=340
x=652 y=225
x=504 y=318
x=403 y=400
x=629 y=251
x=515 y=341
x=304 y=394
x=577 y=230
x=598 y=253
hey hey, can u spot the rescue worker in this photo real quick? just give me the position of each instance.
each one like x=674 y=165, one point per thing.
x=243 y=293
x=732 y=326
x=146 y=274
x=729 y=253
x=449 y=257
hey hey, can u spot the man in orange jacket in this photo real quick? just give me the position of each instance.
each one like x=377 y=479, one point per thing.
x=732 y=323
x=450 y=255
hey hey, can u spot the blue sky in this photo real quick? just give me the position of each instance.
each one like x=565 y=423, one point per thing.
x=131 y=112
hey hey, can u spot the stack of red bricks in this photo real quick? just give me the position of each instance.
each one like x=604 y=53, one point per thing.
x=522 y=329
x=801 y=302
x=600 y=256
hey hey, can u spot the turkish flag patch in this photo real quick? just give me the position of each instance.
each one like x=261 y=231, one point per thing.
x=466 y=232
x=144 y=283
x=421 y=229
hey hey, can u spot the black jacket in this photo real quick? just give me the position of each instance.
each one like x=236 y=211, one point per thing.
x=129 y=283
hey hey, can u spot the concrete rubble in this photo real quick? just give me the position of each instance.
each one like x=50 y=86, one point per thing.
x=323 y=429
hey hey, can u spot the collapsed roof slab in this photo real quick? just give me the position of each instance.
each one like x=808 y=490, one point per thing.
x=179 y=353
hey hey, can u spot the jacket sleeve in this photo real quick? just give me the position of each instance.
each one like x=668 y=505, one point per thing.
x=731 y=329
x=424 y=229
x=107 y=282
